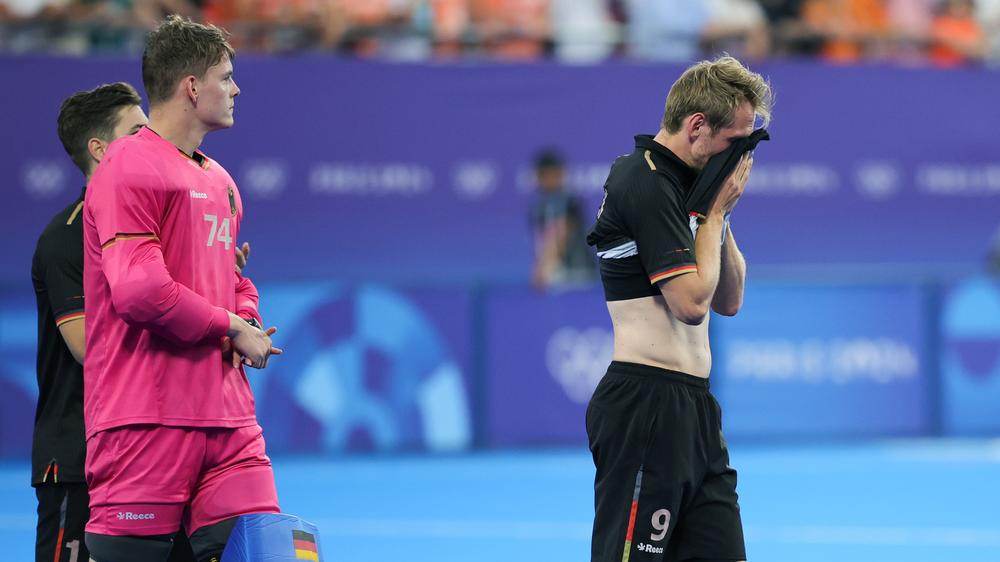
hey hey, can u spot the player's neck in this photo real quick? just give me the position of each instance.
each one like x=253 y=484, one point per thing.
x=180 y=128
x=677 y=144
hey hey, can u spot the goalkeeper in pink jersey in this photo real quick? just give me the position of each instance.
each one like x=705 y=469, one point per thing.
x=172 y=436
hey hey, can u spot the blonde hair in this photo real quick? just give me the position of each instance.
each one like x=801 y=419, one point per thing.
x=716 y=88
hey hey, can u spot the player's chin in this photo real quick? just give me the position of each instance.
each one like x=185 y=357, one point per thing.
x=224 y=122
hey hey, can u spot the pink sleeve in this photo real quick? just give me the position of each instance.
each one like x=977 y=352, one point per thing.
x=247 y=299
x=126 y=215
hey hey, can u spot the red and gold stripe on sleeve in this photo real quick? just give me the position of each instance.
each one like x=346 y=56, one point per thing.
x=69 y=317
x=128 y=236
x=654 y=279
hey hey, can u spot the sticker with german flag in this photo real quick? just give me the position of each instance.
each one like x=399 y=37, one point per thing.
x=305 y=546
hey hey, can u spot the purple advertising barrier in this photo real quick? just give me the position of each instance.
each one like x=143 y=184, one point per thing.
x=545 y=354
x=825 y=361
x=405 y=173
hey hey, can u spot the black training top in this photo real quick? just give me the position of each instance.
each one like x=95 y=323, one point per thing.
x=643 y=234
x=58 y=447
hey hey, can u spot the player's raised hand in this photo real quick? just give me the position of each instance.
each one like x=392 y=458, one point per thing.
x=242 y=255
x=731 y=191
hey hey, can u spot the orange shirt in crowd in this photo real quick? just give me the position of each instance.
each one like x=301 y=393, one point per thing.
x=945 y=31
x=849 y=26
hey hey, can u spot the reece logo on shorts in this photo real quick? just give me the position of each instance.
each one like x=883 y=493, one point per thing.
x=643 y=547
x=129 y=516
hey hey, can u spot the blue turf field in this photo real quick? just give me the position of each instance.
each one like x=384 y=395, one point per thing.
x=911 y=501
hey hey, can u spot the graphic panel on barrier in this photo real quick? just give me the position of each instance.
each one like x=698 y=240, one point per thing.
x=545 y=355
x=970 y=358
x=824 y=361
x=366 y=368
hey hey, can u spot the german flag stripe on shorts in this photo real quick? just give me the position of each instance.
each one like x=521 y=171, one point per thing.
x=631 y=516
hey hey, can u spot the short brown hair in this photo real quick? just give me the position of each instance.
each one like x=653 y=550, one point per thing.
x=177 y=48
x=92 y=114
x=716 y=88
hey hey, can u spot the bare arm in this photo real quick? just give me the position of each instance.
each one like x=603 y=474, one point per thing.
x=690 y=295
x=729 y=295
x=73 y=333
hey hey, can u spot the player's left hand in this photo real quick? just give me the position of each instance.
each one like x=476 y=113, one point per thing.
x=272 y=351
x=231 y=356
x=242 y=255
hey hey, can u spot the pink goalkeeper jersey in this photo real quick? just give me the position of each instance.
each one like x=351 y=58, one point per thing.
x=160 y=231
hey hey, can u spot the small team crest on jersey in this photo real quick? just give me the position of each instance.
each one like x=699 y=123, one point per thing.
x=232 y=200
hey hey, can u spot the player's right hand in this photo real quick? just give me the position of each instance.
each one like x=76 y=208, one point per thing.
x=242 y=255
x=731 y=191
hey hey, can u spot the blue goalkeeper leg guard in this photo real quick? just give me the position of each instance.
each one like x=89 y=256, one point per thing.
x=272 y=537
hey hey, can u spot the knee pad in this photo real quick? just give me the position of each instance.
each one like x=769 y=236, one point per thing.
x=208 y=542
x=110 y=548
x=274 y=537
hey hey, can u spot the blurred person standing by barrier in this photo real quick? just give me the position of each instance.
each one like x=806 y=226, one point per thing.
x=993 y=255
x=561 y=255
x=664 y=489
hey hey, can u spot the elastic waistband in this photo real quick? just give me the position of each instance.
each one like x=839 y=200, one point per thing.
x=657 y=374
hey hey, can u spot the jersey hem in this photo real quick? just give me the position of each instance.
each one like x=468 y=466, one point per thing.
x=173 y=422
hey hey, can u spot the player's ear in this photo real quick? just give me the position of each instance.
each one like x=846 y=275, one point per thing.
x=96 y=148
x=190 y=86
x=696 y=125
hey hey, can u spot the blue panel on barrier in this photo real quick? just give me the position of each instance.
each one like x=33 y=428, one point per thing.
x=273 y=537
x=970 y=358
x=368 y=367
x=824 y=361
x=545 y=354
x=18 y=381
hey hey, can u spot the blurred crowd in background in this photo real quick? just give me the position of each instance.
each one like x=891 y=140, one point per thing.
x=919 y=32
